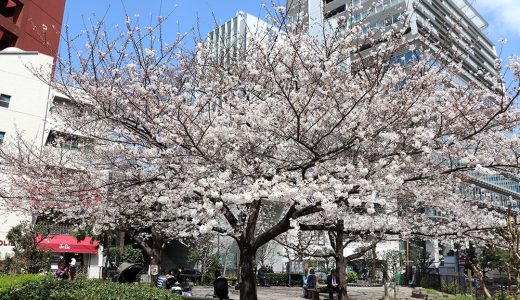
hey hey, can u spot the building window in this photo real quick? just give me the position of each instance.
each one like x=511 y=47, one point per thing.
x=2 y=136
x=4 y=100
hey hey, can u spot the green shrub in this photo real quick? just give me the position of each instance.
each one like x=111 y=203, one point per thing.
x=10 y=282
x=277 y=278
x=464 y=297
x=352 y=277
x=499 y=295
x=450 y=287
x=129 y=254
x=50 y=289
x=428 y=282
x=208 y=278
x=232 y=280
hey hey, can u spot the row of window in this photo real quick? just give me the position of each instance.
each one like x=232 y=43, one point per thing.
x=377 y=9
x=383 y=23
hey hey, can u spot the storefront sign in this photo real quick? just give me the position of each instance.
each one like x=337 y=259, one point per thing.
x=154 y=269
x=6 y=243
x=64 y=246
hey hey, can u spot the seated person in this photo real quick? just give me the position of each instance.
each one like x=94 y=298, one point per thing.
x=332 y=283
x=310 y=283
x=161 y=281
x=220 y=286
x=62 y=272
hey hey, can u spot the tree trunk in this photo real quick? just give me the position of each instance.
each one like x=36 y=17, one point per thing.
x=247 y=273
x=154 y=251
x=340 y=265
x=340 y=261
x=373 y=266
x=156 y=256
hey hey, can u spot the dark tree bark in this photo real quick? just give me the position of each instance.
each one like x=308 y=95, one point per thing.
x=249 y=241
x=153 y=248
x=340 y=260
x=247 y=273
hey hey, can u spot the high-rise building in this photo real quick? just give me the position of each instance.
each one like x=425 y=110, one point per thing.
x=230 y=40
x=31 y=25
x=448 y=26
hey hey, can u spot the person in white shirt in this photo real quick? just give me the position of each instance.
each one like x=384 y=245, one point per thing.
x=72 y=269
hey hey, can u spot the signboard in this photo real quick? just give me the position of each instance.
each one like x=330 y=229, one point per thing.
x=6 y=243
x=154 y=269
x=296 y=267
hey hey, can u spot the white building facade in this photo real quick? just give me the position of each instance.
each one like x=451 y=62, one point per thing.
x=26 y=97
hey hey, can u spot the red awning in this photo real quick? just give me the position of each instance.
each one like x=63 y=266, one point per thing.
x=68 y=243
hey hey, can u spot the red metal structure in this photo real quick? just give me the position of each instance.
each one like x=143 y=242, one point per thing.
x=31 y=25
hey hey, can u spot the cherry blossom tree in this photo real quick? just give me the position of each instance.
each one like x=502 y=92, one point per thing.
x=178 y=143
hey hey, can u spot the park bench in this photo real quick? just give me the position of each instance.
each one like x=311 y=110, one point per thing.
x=200 y=298
x=314 y=294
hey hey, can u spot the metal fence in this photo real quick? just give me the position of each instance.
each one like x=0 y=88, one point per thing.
x=461 y=284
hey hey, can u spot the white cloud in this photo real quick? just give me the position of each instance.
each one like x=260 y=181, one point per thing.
x=503 y=15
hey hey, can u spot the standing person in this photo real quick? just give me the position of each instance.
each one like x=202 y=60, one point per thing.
x=332 y=283
x=178 y=273
x=72 y=268
x=310 y=283
x=261 y=275
x=62 y=260
x=220 y=286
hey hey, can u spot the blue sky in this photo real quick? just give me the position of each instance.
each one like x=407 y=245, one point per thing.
x=503 y=16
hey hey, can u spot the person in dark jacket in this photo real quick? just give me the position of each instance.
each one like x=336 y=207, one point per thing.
x=220 y=286
x=332 y=283
x=264 y=281
x=310 y=283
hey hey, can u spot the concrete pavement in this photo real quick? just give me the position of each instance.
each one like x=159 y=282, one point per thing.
x=296 y=293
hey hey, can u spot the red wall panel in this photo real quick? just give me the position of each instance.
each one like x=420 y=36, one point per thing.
x=35 y=16
x=38 y=25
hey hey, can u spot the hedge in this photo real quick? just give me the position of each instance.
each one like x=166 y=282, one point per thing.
x=283 y=278
x=84 y=289
x=11 y=282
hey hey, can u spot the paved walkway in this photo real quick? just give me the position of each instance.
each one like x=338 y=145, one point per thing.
x=295 y=293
